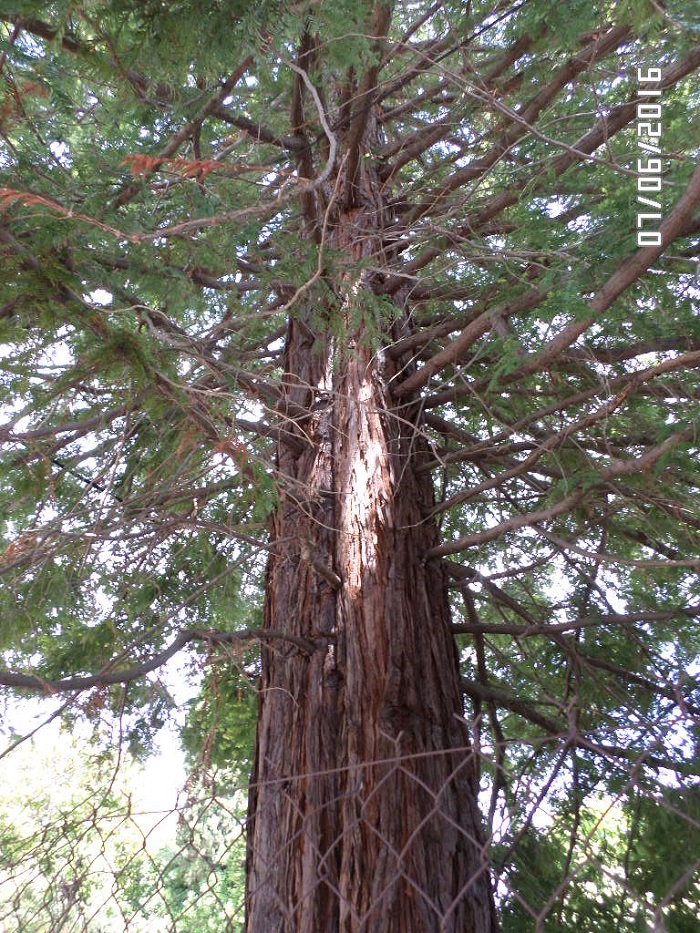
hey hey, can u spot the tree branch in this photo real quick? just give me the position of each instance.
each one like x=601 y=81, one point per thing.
x=107 y=677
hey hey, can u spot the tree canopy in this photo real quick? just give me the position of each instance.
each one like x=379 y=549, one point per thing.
x=195 y=197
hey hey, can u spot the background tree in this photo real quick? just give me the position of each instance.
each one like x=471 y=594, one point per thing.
x=87 y=850
x=339 y=308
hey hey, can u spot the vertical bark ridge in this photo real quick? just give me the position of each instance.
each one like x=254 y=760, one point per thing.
x=402 y=699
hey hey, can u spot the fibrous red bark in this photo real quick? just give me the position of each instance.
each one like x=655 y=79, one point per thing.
x=363 y=812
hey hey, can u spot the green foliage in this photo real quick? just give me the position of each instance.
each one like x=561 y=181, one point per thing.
x=664 y=842
x=201 y=876
x=221 y=722
x=79 y=852
x=655 y=844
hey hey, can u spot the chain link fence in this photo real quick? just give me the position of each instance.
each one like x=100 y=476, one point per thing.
x=577 y=837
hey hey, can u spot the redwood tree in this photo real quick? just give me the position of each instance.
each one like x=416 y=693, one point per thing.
x=341 y=310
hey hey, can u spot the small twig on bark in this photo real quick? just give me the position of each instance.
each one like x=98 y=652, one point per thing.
x=330 y=576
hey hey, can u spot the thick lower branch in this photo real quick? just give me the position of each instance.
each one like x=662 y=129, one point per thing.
x=108 y=677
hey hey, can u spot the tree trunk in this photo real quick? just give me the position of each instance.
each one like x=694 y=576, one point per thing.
x=363 y=812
